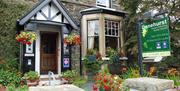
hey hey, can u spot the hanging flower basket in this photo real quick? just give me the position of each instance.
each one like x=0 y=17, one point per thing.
x=26 y=37
x=72 y=39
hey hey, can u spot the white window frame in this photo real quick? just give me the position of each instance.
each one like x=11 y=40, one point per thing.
x=92 y=35
x=116 y=30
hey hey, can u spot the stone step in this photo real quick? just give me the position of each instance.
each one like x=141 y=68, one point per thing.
x=66 y=87
x=46 y=82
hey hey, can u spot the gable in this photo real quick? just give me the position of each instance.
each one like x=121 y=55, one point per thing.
x=49 y=10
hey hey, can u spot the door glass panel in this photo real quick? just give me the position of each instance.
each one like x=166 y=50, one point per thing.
x=49 y=43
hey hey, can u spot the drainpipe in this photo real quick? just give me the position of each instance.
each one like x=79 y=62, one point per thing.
x=80 y=48
x=20 y=46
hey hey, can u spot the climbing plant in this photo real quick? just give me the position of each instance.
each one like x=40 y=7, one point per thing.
x=10 y=11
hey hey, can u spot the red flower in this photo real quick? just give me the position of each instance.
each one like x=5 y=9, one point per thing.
x=105 y=79
x=72 y=39
x=100 y=78
x=28 y=43
x=106 y=87
x=26 y=37
x=111 y=83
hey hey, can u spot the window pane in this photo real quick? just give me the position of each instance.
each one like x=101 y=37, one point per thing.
x=112 y=28
x=112 y=34
x=93 y=28
x=93 y=33
x=112 y=42
x=93 y=42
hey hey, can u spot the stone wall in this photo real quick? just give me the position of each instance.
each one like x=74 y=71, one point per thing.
x=75 y=6
x=75 y=63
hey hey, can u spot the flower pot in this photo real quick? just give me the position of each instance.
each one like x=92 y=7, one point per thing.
x=33 y=82
x=3 y=89
x=92 y=58
x=68 y=79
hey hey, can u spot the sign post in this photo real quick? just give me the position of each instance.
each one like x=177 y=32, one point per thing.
x=140 y=47
x=155 y=38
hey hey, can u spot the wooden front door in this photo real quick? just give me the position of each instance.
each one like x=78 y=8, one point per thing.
x=48 y=52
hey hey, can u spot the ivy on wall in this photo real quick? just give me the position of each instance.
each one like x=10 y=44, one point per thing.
x=10 y=11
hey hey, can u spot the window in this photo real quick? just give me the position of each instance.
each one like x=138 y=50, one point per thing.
x=112 y=34
x=93 y=34
x=103 y=3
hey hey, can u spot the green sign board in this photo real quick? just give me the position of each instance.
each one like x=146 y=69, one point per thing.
x=156 y=38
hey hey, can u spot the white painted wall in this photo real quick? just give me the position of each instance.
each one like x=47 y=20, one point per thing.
x=53 y=10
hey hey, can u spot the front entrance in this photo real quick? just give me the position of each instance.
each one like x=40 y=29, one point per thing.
x=48 y=52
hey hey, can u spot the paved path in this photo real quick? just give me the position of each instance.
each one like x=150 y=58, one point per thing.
x=87 y=86
x=56 y=88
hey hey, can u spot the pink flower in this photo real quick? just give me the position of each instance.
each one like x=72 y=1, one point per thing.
x=95 y=87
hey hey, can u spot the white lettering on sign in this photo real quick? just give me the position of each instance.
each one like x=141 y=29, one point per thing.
x=29 y=55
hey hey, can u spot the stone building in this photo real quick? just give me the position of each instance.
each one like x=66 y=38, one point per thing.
x=98 y=22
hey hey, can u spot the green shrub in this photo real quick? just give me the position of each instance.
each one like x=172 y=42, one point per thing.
x=31 y=75
x=10 y=78
x=69 y=73
x=9 y=64
x=131 y=73
x=79 y=81
x=169 y=62
x=13 y=88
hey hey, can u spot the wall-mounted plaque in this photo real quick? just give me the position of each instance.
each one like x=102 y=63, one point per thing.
x=66 y=63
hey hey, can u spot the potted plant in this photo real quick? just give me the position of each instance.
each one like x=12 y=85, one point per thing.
x=72 y=39
x=26 y=37
x=32 y=78
x=68 y=75
x=92 y=63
